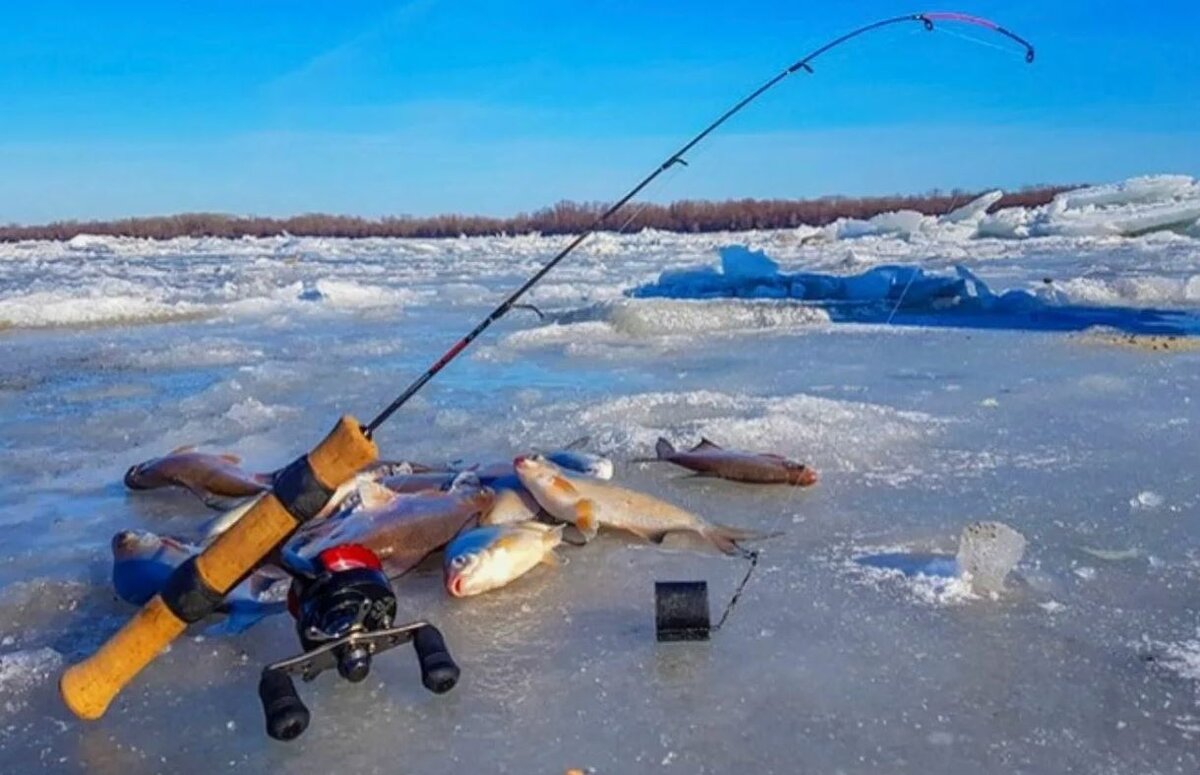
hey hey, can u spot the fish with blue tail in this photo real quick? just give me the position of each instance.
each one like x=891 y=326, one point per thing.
x=143 y=561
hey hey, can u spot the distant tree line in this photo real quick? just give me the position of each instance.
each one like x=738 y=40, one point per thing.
x=563 y=218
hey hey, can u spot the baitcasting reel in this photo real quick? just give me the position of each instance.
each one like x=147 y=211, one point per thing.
x=344 y=606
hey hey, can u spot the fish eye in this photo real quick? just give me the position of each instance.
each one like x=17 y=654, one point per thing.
x=459 y=561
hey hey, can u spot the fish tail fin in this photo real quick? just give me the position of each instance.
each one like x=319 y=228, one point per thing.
x=726 y=538
x=553 y=536
x=663 y=448
x=579 y=443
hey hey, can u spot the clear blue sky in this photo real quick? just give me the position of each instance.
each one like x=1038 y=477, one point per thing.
x=272 y=107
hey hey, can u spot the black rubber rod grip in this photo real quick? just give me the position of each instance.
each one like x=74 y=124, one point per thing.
x=286 y=716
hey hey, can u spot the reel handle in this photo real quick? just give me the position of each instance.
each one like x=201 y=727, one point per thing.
x=198 y=586
x=439 y=673
x=286 y=715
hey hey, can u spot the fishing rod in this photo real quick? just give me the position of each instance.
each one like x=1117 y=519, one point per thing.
x=302 y=488
x=925 y=19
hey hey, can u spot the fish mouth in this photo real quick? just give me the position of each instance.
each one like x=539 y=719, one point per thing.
x=127 y=541
x=804 y=477
x=131 y=479
x=454 y=585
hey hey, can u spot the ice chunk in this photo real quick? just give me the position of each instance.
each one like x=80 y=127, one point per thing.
x=1147 y=189
x=739 y=262
x=973 y=211
x=987 y=552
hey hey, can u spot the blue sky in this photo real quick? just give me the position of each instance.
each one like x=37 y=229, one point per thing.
x=271 y=107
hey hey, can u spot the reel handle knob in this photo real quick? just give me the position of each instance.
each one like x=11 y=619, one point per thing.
x=439 y=673
x=287 y=718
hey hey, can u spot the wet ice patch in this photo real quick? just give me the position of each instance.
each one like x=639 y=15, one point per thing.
x=22 y=671
x=1182 y=659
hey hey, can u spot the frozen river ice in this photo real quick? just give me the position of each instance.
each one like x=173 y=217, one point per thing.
x=116 y=351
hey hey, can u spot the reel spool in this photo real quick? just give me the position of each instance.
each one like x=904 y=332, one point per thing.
x=344 y=606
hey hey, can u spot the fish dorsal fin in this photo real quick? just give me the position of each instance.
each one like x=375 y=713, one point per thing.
x=230 y=458
x=467 y=480
x=536 y=527
x=579 y=443
x=508 y=542
x=182 y=450
x=705 y=444
x=374 y=495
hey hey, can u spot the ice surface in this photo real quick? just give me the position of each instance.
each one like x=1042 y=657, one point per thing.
x=21 y=671
x=869 y=673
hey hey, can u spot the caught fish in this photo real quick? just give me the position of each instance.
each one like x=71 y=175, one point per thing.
x=573 y=458
x=513 y=502
x=511 y=506
x=222 y=522
x=142 y=562
x=487 y=558
x=709 y=459
x=211 y=478
x=429 y=480
x=987 y=553
x=402 y=529
x=392 y=471
x=589 y=503
x=570 y=458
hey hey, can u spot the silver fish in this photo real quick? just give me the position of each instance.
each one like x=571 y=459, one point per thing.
x=486 y=558
x=589 y=503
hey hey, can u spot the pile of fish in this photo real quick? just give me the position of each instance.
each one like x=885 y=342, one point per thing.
x=493 y=522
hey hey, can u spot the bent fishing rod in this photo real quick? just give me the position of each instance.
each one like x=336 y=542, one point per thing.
x=302 y=489
x=926 y=19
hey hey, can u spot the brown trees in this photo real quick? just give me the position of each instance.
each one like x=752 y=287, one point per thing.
x=562 y=218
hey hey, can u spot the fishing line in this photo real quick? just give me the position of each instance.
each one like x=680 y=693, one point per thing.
x=677 y=159
x=979 y=42
x=753 y=556
x=911 y=276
